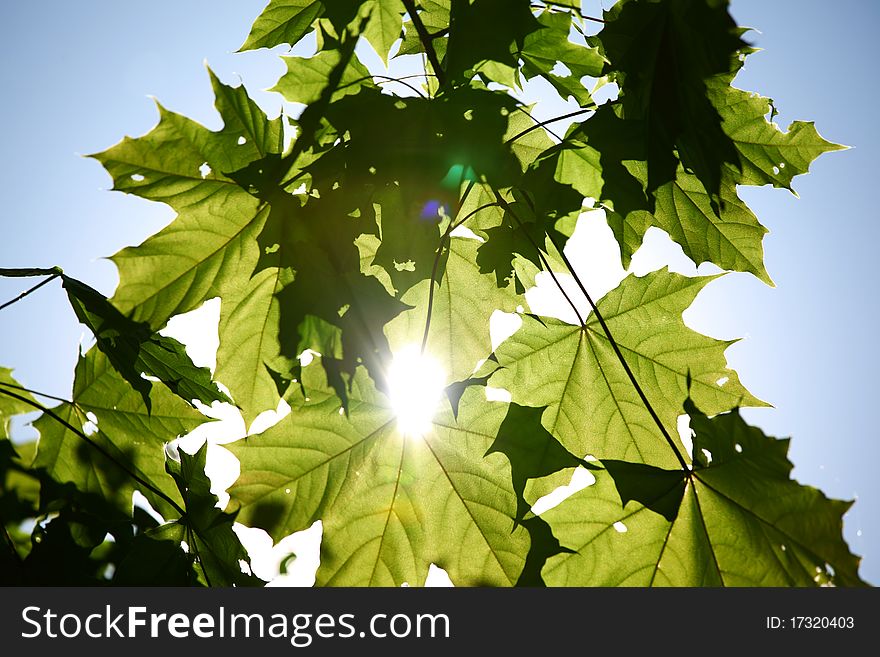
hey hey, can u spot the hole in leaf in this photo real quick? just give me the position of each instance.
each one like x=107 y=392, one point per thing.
x=90 y=426
x=738 y=448
x=242 y=141
x=707 y=454
x=722 y=380
x=205 y=170
x=620 y=527
x=137 y=177
x=498 y=394
x=561 y=70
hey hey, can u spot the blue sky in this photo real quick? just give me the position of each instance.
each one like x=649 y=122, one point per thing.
x=77 y=79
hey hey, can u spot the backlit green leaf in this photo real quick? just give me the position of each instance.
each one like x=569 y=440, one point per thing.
x=592 y=405
x=736 y=519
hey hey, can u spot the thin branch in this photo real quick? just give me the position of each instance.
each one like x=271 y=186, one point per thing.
x=503 y=202
x=52 y=277
x=546 y=122
x=426 y=39
x=48 y=411
x=388 y=78
x=37 y=392
x=549 y=3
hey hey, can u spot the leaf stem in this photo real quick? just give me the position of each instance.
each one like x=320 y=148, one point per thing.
x=37 y=392
x=426 y=39
x=52 y=276
x=549 y=3
x=546 y=122
x=48 y=411
x=507 y=207
x=388 y=78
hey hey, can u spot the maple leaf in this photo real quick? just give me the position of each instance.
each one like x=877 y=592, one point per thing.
x=736 y=519
x=211 y=245
x=390 y=504
x=463 y=301
x=661 y=53
x=130 y=436
x=591 y=403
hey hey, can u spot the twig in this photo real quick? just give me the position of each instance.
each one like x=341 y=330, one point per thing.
x=549 y=3
x=426 y=39
x=52 y=277
x=503 y=202
x=546 y=122
x=37 y=392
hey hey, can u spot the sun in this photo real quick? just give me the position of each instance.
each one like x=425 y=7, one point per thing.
x=415 y=387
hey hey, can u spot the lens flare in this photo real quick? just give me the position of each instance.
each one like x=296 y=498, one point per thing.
x=415 y=388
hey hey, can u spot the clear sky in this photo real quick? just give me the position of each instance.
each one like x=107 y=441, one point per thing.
x=76 y=79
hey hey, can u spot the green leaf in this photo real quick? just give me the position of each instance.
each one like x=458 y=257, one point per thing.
x=729 y=237
x=10 y=406
x=250 y=344
x=134 y=349
x=527 y=141
x=316 y=242
x=390 y=504
x=579 y=165
x=385 y=26
x=592 y=405
x=768 y=156
x=533 y=453
x=130 y=433
x=211 y=245
x=470 y=43
x=435 y=18
x=283 y=21
x=542 y=49
x=215 y=545
x=439 y=142
x=19 y=487
x=306 y=77
x=737 y=520
x=660 y=54
x=156 y=558
x=463 y=302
